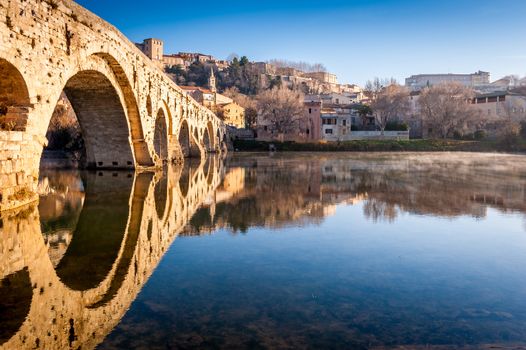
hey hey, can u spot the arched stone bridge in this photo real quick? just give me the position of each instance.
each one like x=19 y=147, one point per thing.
x=131 y=114
x=48 y=305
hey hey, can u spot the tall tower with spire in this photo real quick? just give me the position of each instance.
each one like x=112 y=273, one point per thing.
x=212 y=81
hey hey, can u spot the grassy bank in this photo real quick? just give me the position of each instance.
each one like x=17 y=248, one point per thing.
x=515 y=146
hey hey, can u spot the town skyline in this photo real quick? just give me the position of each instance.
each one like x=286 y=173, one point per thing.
x=356 y=40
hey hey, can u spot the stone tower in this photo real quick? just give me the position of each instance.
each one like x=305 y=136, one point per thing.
x=212 y=81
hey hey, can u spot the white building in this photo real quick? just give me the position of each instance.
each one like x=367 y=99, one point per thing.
x=335 y=123
x=417 y=82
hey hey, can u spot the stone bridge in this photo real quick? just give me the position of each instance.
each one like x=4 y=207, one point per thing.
x=131 y=114
x=46 y=304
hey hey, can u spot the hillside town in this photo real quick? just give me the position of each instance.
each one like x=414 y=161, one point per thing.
x=312 y=106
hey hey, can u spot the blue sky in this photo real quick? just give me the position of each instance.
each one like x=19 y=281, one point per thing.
x=356 y=39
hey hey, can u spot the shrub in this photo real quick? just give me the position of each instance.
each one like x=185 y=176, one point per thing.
x=457 y=135
x=396 y=126
x=479 y=135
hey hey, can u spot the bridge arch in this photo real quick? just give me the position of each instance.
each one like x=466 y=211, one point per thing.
x=140 y=148
x=160 y=136
x=14 y=97
x=207 y=142
x=211 y=136
x=187 y=141
x=102 y=119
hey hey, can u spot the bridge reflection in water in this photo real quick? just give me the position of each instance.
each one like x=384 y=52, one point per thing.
x=72 y=266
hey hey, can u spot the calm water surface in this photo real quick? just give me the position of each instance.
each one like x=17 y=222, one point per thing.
x=285 y=251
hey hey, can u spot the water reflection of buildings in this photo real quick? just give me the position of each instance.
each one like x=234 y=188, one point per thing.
x=274 y=192
x=70 y=268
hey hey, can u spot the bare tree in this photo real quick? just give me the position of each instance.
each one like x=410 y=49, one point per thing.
x=446 y=108
x=389 y=103
x=281 y=110
x=374 y=87
x=511 y=115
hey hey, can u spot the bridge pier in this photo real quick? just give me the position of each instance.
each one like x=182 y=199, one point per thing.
x=19 y=166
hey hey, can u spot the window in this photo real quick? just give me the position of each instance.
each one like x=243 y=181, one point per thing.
x=310 y=110
x=328 y=131
x=307 y=131
x=265 y=128
x=344 y=122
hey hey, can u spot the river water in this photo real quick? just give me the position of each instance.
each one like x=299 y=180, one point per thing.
x=280 y=251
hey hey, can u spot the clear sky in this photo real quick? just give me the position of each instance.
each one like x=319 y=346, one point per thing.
x=356 y=39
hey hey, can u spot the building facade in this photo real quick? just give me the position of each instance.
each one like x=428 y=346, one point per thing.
x=336 y=123
x=420 y=81
x=499 y=107
x=170 y=61
x=324 y=77
x=153 y=49
x=232 y=114
x=312 y=115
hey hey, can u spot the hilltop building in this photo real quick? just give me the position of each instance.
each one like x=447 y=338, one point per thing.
x=324 y=77
x=153 y=49
x=420 y=81
x=174 y=60
x=225 y=108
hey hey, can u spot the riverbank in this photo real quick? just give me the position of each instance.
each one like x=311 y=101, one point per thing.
x=509 y=146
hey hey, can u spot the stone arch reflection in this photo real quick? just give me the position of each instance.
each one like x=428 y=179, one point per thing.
x=140 y=191
x=16 y=292
x=188 y=172
x=99 y=232
x=61 y=305
x=161 y=192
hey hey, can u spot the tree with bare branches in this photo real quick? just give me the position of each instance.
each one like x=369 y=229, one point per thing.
x=446 y=109
x=281 y=110
x=388 y=103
